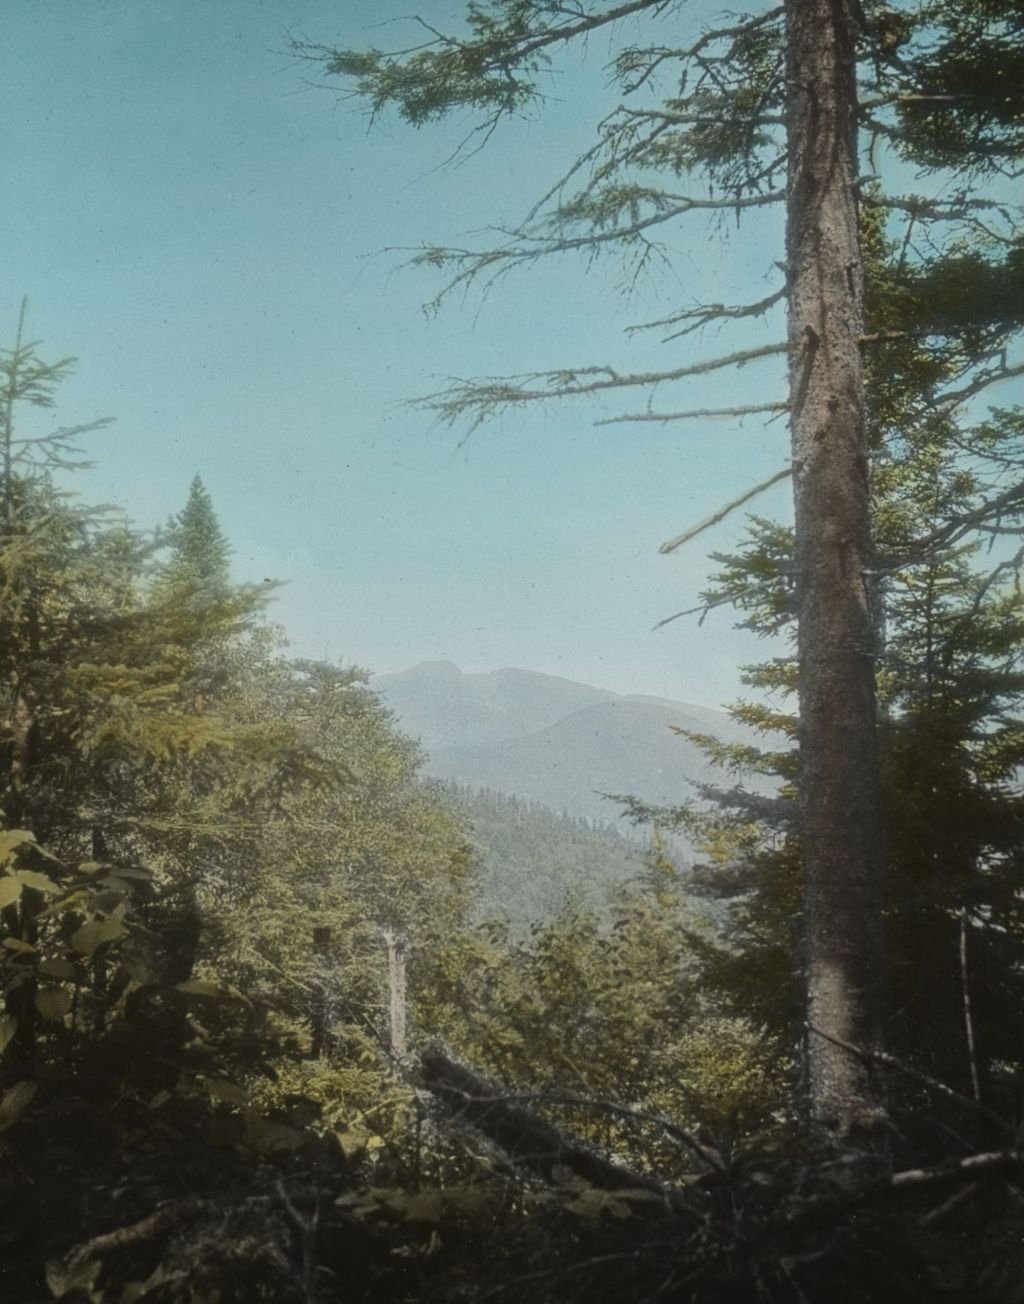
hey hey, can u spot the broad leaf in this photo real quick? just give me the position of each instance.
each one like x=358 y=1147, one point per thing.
x=14 y=1100
x=8 y=1027
x=53 y=1003
x=96 y=933
x=10 y=890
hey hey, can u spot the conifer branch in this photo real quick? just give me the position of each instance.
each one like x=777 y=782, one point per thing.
x=704 y=314
x=485 y=398
x=646 y=61
x=694 y=414
x=473 y=263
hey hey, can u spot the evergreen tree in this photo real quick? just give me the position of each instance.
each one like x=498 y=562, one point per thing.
x=779 y=94
x=199 y=551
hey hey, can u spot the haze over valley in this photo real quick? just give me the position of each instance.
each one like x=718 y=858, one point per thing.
x=530 y=759
x=553 y=740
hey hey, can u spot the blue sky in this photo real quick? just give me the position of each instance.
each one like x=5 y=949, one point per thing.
x=209 y=234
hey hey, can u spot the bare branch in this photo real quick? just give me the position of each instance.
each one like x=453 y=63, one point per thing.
x=486 y=397
x=704 y=608
x=698 y=119
x=530 y=1140
x=706 y=313
x=473 y=263
x=701 y=1152
x=954 y=530
x=991 y=377
x=722 y=513
x=918 y=1075
x=569 y=31
x=995 y=1163
x=694 y=413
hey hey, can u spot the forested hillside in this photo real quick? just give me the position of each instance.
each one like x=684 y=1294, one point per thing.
x=533 y=860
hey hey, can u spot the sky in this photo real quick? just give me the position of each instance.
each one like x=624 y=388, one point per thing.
x=220 y=239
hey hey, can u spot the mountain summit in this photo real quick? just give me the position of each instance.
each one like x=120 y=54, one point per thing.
x=552 y=740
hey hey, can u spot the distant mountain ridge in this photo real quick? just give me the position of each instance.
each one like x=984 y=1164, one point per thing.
x=443 y=707
x=552 y=740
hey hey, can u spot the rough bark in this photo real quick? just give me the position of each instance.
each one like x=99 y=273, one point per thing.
x=839 y=781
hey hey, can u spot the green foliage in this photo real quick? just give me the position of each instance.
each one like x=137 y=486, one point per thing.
x=209 y=853
x=199 y=550
x=201 y=843
x=968 y=74
x=613 y=1009
x=532 y=858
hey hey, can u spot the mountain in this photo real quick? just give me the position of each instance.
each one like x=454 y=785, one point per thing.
x=552 y=740
x=441 y=706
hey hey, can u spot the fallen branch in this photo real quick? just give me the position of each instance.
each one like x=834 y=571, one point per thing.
x=68 y=1274
x=531 y=1142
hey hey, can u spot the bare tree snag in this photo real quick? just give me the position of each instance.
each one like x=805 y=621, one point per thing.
x=839 y=777
x=397 y=964
x=965 y=991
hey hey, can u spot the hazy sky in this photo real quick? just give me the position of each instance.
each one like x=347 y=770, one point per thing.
x=208 y=233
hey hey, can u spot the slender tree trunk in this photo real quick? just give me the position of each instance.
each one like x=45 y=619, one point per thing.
x=965 y=992
x=397 y=957
x=839 y=778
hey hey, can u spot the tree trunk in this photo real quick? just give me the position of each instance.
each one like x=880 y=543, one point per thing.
x=839 y=778
x=397 y=955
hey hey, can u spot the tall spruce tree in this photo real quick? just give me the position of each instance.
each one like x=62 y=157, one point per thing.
x=765 y=109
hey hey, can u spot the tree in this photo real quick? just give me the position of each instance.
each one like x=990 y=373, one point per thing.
x=840 y=796
x=199 y=550
x=765 y=96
